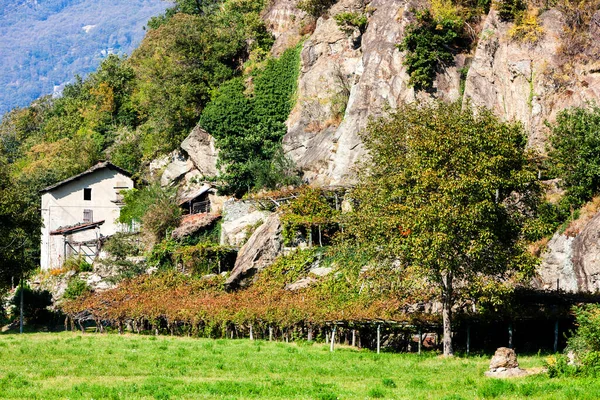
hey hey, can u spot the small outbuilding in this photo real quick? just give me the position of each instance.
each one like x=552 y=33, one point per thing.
x=80 y=212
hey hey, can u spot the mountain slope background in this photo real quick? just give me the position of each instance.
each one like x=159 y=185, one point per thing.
x=45 y=43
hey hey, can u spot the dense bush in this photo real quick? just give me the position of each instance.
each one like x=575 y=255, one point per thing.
x=35 y=305
x=527 y=28
x=348 y=21
x=76 y=287
x=510 y=10
x=584 y=344
x=430 y=44
x=575 y=151
x=154 y=206
x=547 y=219
x=248 y=124
x=315 y=8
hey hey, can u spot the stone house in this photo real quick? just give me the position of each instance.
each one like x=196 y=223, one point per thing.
x=80 y=212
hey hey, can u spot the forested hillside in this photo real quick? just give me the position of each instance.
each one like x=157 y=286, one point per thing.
x=46 y=43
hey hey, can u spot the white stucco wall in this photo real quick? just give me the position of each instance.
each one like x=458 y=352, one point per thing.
x=64 y=206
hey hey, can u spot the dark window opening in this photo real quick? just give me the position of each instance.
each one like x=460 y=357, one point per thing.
x=88 y=216
x=87 y=194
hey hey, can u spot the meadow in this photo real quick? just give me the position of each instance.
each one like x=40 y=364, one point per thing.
x=110 y=366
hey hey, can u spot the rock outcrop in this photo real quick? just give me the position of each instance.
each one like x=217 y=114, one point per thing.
x=520 y=81
x=178 y=167
x=284 y=20
x=263 y=247
x=196 y=160
x=200 y=148
x=572 y=263
x=239 y=218
x=363 y=72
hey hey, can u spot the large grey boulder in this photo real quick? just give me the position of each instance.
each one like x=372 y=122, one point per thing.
x=263 y=247
x=179 y=165
x=239 y=218
x=200 y=148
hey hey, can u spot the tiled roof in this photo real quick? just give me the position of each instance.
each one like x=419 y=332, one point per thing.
x=100 y=165
x=76 y=228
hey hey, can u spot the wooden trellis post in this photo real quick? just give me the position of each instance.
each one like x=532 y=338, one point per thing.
x=331 y=348
x=378 y=338
x=468 y=339
x=556 y=336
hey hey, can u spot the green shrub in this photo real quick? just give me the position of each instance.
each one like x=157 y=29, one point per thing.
x=348 y=21
x=315 y=8
x=430 y=44
x=510 y=10
x=248 y=124
x=154 y=206
x=122 y=245
x=35 y=305
x=77 y=264
x=558 y=366
x=548 y=219
x=583 y=343
x=76 y=288
x=575 y=152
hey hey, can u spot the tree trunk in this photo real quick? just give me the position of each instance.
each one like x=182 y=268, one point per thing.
x=447 y=314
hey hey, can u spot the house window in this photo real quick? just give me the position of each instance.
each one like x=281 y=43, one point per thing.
x=87 y=194
x=88 y=216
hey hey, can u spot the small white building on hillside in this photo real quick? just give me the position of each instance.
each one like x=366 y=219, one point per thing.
x=79 y=212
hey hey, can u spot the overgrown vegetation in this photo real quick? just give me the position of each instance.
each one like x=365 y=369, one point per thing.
x=582 y=355
x=155 y=207
x=315 y=8
x=575 y=152
x=527 y=28
x=430 y=45
x=510 y=10
x=247 y=118
x=349 y=21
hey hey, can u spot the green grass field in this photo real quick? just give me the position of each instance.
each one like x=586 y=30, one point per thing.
x=75 y=366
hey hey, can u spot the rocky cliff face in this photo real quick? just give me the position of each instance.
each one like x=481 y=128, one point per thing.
x=523 y=81
x=366 y=72
x=347 y=78
x=572 y=263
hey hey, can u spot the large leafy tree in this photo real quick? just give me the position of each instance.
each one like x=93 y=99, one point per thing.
x=20 y=229
x=575 y=152
x=445 y=191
